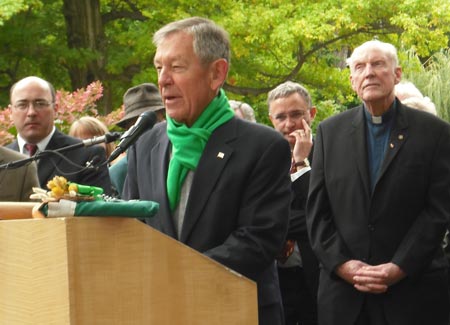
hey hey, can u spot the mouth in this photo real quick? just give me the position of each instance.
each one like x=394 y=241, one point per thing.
x=170 y=99
x=31 y=125
x=370 y=85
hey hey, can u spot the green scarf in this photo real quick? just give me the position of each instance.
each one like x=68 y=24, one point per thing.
x=188 y=143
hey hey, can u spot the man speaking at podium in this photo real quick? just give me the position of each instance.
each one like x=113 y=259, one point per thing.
x=222 y=183
x=32 y=104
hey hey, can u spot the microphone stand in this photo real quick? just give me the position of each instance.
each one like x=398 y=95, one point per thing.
x=107 y=138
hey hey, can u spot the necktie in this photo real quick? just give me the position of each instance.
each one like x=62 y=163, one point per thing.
x=287 y=250
x=32 y=148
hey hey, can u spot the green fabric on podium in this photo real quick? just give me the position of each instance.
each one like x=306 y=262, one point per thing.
x=132 y=209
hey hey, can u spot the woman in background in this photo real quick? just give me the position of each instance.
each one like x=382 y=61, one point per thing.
x=88 y=127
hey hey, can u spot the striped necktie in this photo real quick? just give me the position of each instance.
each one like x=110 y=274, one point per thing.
x=32 y=148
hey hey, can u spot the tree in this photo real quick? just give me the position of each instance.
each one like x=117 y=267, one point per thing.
x=272 y=41
x=431 y=78
x=10 y=8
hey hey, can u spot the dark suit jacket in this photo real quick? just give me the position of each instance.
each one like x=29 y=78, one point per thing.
x=16 y=184
x=403 y=221
x=79 y=157
x=298 y=231
x=238 y=205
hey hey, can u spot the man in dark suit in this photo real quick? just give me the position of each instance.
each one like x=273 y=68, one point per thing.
x=33 y=112
x=16 y=184
x=222 y=183
x=292 y=112
x=379 y=203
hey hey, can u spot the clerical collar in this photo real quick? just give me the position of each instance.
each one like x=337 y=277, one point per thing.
x=386 y=117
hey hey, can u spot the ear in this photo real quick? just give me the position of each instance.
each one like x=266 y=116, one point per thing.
x=312 y=112
x=271 y=119
x=9 y=109
x=351 y=82
x=219 y=72
x=398 y=74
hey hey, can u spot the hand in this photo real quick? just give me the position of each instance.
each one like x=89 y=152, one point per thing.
x=377 y=278
x=349 y=269
x=303 y=142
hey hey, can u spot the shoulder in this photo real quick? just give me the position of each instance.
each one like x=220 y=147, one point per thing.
x=251 y=140
x=8 y=154
x=343 y=117
x=258 y=133
x=154 y=135
x=59 y=139
x=421 y=118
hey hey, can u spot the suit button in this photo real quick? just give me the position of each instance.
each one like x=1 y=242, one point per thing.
x=371 y=227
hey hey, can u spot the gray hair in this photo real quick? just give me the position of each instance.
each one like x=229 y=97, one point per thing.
x=210 y=41
x=247 y=111
x=386 y=48
x=406 y=89
x=288 y=88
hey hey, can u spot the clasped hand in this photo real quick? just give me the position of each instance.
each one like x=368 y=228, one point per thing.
x=370 y=278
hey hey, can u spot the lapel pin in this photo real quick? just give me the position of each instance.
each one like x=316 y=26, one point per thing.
x=400 y=136
x=392 y=146
x=220 y=155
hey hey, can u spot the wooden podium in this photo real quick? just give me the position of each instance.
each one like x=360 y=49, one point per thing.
x=94 y=270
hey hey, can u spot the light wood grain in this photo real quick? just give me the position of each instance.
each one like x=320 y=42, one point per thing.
x=113 y=271
x=16 y=210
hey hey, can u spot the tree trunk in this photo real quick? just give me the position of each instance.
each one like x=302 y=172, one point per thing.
x=85 y=33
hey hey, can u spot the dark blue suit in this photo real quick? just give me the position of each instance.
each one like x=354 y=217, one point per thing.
x=238 y=207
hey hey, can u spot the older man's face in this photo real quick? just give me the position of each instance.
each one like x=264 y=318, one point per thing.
x=373 y=76
x=187 y=86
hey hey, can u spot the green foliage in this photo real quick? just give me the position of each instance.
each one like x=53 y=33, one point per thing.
x=431 y=78
x=12 y=7
x=272 y=41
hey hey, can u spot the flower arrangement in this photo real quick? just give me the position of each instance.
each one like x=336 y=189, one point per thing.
x=59 y=188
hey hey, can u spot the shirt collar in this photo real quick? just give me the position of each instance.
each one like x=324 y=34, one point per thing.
x=41 y=144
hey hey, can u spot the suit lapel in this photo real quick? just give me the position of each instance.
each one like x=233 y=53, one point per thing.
x=398 y=136
x=358 y=134
x=210 y=167
x=160 y=162
x=46 y=165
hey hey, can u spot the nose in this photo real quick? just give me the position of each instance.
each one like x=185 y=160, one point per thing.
x=31 y=109
x=290 y=122
x=368 y=70
x=164 y=77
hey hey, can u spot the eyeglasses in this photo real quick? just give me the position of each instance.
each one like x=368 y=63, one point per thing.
x=38 y=105
x=294 y=115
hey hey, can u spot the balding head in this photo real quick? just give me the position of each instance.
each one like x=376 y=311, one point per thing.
x=32 y=108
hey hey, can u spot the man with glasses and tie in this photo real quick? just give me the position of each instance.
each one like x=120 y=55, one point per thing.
x=291 y=112
x=33 y=107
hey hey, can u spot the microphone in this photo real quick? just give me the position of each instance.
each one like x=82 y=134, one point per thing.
x=107 y=138
x=145 y=122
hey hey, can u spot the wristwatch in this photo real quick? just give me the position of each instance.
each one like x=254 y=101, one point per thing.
x=303 y=163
